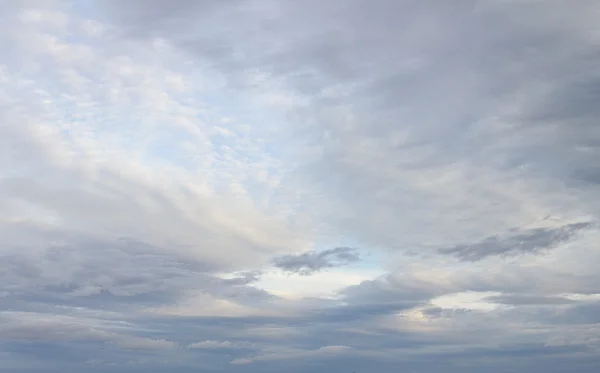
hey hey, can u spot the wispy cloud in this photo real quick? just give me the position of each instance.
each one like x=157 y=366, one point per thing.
x=530 y=241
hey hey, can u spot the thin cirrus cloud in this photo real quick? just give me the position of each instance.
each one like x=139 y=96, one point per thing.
x=328 y=186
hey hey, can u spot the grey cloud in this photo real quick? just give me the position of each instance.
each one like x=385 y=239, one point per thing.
x=311 y=262
x=527 y=242
x=445 y=99
x=395 y=287
x=579 y=314
x=371 y=299
x=433 y=312
x=244 y=278
x=30 y=326
x=112 y=274
x=354 y=313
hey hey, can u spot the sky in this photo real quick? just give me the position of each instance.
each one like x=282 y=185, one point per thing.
x=326 y=186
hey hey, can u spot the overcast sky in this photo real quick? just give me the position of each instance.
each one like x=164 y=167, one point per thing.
x=322 y=186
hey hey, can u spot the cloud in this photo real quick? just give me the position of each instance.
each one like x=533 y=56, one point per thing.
x=531 y=242
x=284 y=354
x=521 y=299
x=170 y=173
x=311 y=262
x=219 y=344
x=31 y=326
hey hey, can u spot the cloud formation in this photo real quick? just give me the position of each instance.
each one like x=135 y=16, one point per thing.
x=530 y=241
x=311 y=262
x=318 y=186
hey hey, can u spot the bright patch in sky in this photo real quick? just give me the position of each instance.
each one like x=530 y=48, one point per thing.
x=466 y=301
x=325 y=284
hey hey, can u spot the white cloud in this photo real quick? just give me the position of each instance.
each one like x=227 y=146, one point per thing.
x=466 y=301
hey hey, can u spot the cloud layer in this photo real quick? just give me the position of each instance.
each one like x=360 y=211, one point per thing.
x=328 y=186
